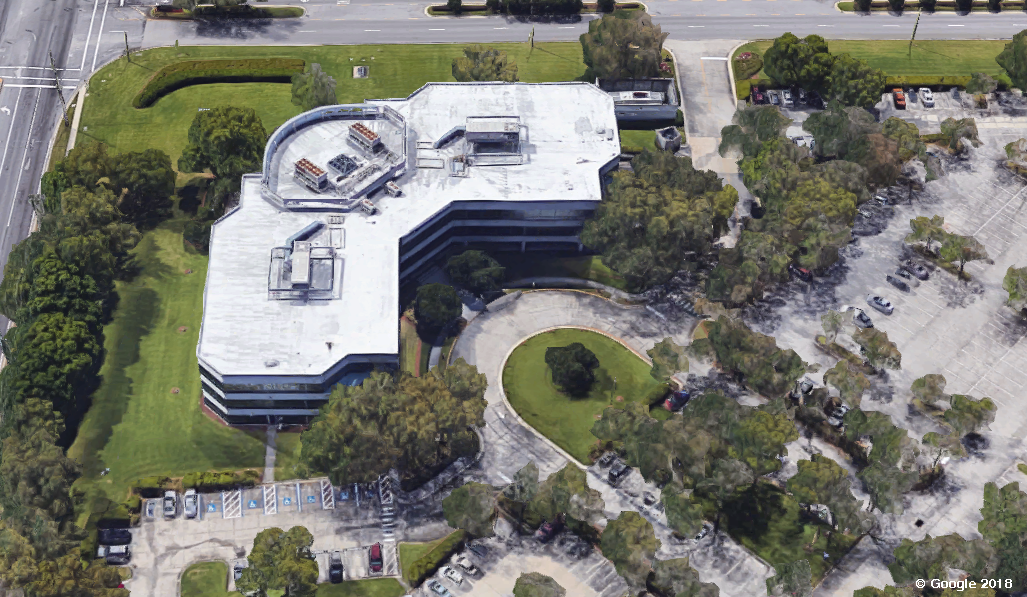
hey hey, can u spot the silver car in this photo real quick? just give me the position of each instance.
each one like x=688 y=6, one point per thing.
x=880 y=303
x=191 y=503
x=170 y=504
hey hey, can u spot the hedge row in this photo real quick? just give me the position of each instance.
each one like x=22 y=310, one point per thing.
x=195 y=72
x=427 y=564
x=747 y=67
x=935 y=82
x=151 y=487
x=220 y=481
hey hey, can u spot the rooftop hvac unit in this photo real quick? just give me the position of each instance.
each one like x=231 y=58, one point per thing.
x=310 y=175
x=367 y=206
x=364 y=136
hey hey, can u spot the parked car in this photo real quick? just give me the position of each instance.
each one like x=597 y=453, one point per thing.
x=903 y=274
x=897 y=283
x=466 y=565
x=437 y=588
x=607 y=459
x=677 y=400
x=237 y=571
x=815 y=101
x=786 y=99
x=548 y=530
x=758 y=97
x=916 y=269
x=114 y=537
x=861 y=319
x=900 y=99
x=170 y=504
x=880 y=303
x=617 y=472
x=881 y=199
x=191 y=503
x=648 y=499
x=774 y=99
x=115 y=555
x=335 y=567
x=800 y=272
x=478 y=549
x=800 y=93
x=453 y=576
x=151 y=508
x=706 y=528
x=374 y=558
x=955 y=94
x=927 y=96
x=911 y=95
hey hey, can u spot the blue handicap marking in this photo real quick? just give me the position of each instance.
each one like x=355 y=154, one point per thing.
x=287 y=500
x=212 y=507
x=253 y=504
x=310 y=499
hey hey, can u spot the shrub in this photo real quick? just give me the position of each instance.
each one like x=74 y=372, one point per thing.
x=427 y=564
x=861 y=5
x=220 y=480
x=657 y=394
x=928 y=5
x=151 y=487
x=607 y=5
x=748 y=66
x=195 y=72
x=935 y=82
x=133 y=504
x=455 y=6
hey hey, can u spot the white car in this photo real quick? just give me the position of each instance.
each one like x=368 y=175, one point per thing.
x=191 y=503
x=466 y=564
x=927 y=96
x=452 y=575
x=170 y=504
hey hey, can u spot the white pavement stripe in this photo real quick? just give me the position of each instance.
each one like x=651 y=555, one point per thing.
x=85 y=49
x=700 y=58
x=6 y=77
x=7 y=144
x=436 y=30
x=34 y=86
x=38 y=68
x=371 y=30
x=500 y=28
x=14 y=200
x=99 y=34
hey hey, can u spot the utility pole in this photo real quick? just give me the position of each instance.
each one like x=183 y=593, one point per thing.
x=127 y=55
x=915 y=25
x=60 y=88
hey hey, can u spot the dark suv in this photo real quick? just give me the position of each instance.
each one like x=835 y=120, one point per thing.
x=548 y=530
x=617 y=472
x=114 y=537
x=335 y=567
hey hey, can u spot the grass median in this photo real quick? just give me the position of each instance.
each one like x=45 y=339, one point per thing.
x=395 y=71
x=206 y=579
x=622 y=376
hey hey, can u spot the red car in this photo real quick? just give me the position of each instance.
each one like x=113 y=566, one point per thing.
x=375 y=558
x=800 y=272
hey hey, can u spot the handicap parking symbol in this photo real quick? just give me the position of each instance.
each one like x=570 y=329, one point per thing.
x=212 y=507
x=252 y=504
x=287 y=501
x=310 y=499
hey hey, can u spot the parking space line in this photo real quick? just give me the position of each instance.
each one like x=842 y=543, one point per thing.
x=327 y=495
x=231 y=504
x=271 y=499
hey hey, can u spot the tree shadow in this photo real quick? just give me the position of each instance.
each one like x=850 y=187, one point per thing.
x=750 y=512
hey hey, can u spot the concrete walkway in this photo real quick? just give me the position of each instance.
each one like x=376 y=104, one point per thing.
x=270 y=453
x=559 y=282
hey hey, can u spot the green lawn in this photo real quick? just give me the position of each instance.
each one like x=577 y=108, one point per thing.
x=636 y=141
x=395 y=71
x=568 y=421
x=136 y=425
x=767 y=521
x=929 y=57
x=287 y=456
x=206 y=579
x=377 y=587
x=411 y=552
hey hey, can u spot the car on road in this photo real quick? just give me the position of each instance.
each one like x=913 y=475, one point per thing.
x=916 y=269
x=607 y=459
x=880 y=303
x=466 y=565
x=191 y=503
x=114 y=537
x=899 y=97
x=335 y=567
x=706 y=528
x=453 y=576
x=115 y=555
x=927 y=96
x=861 y=319
x=800 y=272
x=170 y=504
x=437 y=588
x=787 y=99
x=548 y=530
x=374 y=558
x=617 y=472
x=478 y=549
x=897 y=283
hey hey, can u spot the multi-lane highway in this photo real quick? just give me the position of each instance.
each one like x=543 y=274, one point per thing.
x=85 y=34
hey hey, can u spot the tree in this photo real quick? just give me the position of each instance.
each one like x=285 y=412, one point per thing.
x=86 y=165
x=573 y=367
x=518 y=494
x=475 y=271
x=981 y=83
x=676 y=578
x=471 y=507
x=623 y=48
x=753 y=356
x=968 y=415
x=853 y=82
x=480 y=63
x=280 y=560
x=435 y=307
x=566 y=492
x=631 y=544
x=230 y=142
x=928 y=390
x=957 y=130
x=849 y=381
x=534 y=584
x=926 y=230
x=907 y=135
x=1013 y=59
x=607 y=5
x=821 y=480
x=59 y=287
x=832 y=322
x=957 y=247
x=1005 y=527
x=403 y=422
x=933 y=556
x=58 y=358
x=727 y=475
x=313 y=88
x=1015 y=283
x=878 y=349
x=668 y=359
x=37 y=475
x=752 y=127
x=891 y=458
x=455 y=6
x=684 y=515
x=804 y=62
x=148 y=181
x=942 y=445
x=794 y=580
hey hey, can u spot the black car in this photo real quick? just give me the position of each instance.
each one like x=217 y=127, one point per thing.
x=607 y=459
x=479 y=550
x=618 y=471
x=800 y=272
x=548 y=530
x=815 y=101
x=916 y=269
x=335 y=567
x=114 y=537
x=862 y=320
x=897 y=283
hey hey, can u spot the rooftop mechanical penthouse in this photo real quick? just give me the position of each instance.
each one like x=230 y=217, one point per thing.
x=302 y=289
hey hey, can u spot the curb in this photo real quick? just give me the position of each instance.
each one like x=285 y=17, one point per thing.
x=681 y=95
x=731 y=68
x=517 y=416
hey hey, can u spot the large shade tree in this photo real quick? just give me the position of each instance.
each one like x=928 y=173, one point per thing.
x=631 y=544
x=313 y=88
x=480 y=63
x=573 y=367
x=623 y=48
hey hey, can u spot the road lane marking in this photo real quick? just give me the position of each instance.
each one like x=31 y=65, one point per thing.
x=7 y=144
x=696 y=26
x=85 y=50
x=371 y=30
x=499 y=27
x=889 y=25
x=956 y=25
x=436 y=30
x=567 y=27
x=99 y=34
x=761 y=25
x=34 y=86
x=308 y=31
x=24 y=161
x=825 y=25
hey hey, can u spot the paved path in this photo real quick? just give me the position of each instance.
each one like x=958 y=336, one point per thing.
x=270 y=453
x=558 y=282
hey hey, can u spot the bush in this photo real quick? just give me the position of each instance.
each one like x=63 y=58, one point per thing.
x=657 y=394
x=455 y=6
x=679 y=120
x=133 y=504
x=151 y=487
x=861 y=5
x=220 y=480
x=195 y=72
x=748 y=66
x=197 y=234
x=427 y=564
x=607 y=5
x=89 y=544
x=934 y=82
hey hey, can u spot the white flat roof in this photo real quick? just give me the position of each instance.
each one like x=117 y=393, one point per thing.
x=570 y=133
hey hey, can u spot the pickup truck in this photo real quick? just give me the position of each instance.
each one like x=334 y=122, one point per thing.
x=900 y=98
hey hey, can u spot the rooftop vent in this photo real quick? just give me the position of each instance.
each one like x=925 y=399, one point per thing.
x=300 y=264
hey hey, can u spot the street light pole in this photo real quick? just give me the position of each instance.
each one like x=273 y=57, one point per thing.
x=60 y=90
